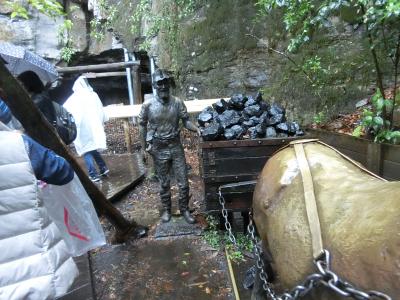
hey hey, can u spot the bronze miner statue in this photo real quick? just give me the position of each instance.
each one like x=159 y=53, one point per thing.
x=159 y=121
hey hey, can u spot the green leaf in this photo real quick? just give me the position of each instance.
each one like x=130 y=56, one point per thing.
x=357 y=131
x=378 y=121
x=379 y=104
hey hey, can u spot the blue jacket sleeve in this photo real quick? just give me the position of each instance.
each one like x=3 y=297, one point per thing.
x=47 y=165
x=5 y=113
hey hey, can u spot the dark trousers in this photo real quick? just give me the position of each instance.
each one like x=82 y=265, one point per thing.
x=167 y=156
x=90 y=158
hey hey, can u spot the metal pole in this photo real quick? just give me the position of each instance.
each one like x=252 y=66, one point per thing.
x=152 y=70
x=128 y=78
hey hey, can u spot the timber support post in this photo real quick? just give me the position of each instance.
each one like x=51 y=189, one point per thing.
x=38 y=128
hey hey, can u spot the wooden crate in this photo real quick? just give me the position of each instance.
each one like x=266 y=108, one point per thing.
x=225 y=162
x=382 y=159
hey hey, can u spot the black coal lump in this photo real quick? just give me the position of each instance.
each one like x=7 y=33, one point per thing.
x=237 y=101
x=276 y=109
x=204 y=117
x=270 y=132
x=250 y=101
x=228 y=118
x=282 y=127
x=253 y=110
x=276 y=119
x=239 y=131
x=293 y=127
x=220 y=106
x=259 y=97
x=252 y=131
x=260 y=128
x=264 y=105
x=211 y=132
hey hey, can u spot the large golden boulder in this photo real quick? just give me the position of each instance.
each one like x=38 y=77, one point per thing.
x=359 y=216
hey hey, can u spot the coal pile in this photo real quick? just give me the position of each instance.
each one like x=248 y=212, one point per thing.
x=246 y=117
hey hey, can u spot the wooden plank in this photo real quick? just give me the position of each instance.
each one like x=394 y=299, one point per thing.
x=128 y=140
x=128 y=111
x=238 y=152
x=249 y=143
x=357 y=156
x=391 y=152
x=236 y=167
x=82 y=287
x=99 y=67
x=339 y=140
x=374 y=158
x=137 y=86
x=230 y=178
x=103 y=74
x=390 y=170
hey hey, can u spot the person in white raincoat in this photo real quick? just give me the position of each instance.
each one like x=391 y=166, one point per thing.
x=86 y=108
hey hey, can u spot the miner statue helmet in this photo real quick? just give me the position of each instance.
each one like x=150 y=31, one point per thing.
x=161 y=83
x=160 y=76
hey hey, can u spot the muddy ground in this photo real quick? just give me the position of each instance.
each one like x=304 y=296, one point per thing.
x=180 y=265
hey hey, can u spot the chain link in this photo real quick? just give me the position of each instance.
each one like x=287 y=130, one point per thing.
x=225 y=215
x=325 y=277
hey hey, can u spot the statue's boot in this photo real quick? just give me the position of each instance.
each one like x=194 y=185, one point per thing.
x=188 y=217
x=166 y=216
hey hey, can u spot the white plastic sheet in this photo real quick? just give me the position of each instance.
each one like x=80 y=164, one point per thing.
x=71 y=209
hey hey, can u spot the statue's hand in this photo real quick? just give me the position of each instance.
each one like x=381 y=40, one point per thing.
x=198 y=131
x=144 y=155
x=149 y=146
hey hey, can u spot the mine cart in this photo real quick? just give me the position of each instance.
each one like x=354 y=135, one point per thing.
x=234 y=167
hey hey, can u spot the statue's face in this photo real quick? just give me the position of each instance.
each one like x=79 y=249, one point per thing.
x=162 y=88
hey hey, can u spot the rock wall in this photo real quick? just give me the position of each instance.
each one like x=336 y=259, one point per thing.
x=219 y=51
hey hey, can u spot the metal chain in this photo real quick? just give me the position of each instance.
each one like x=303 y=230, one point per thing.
x=225 y=215
x=324 y=277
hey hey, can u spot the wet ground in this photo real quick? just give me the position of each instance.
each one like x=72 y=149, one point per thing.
x=173 y=262
x=173 y=268
x=126 y=171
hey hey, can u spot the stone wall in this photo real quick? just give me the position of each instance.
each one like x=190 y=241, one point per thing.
x=219 y=51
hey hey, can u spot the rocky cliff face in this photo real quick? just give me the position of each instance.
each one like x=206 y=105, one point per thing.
x=219 y=51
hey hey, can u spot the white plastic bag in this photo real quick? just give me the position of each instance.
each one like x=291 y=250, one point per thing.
x=71 y=209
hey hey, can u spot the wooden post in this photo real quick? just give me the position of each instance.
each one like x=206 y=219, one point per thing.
x=137 y=86
x=38 y=128
x=374 y=157
x=128 y=139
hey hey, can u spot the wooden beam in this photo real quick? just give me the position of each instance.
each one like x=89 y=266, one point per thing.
x=38 y=128
x=104 y=74
x=129 y=111
x=137 y=86
x=99 y=67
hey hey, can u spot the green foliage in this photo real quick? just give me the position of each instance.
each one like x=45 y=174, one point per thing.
x=372 y=120
x=380 y=21
x=98 y=27
x=51 y=8
x=217 y=239
x=65 y=39
x=320 y=118
x=163 y=22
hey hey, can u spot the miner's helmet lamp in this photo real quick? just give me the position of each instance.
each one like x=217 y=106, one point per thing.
x=160 y=78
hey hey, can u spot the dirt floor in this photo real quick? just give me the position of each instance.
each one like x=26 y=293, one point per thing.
x=172 y=262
